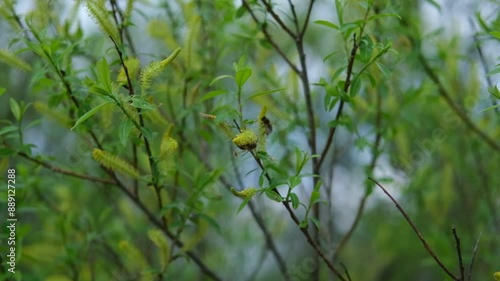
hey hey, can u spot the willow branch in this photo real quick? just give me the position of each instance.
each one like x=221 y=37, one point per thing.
x=458 y=111
x=269 y=38
x=417 y=232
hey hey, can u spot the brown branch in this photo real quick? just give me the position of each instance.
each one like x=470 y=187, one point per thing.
x=458 y=111
x=306 y=21
x=296 y=220
x=65 y=172
x=376 y=154
x=459 y=252
x=277 y=18
x=469 y=276
x=417 y=232
x=350 y=65
x=260 y=222
x=137 y=202
x=269 y=38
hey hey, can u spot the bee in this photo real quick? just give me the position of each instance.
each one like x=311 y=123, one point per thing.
x=267 y=124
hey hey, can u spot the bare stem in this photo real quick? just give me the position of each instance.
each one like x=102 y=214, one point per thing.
x=417 y=232
x=459 y=252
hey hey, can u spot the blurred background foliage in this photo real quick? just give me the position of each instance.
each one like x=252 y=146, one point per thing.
x=399 y=125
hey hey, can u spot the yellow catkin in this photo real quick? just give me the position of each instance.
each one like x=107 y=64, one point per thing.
x=113 y=162
x=245 y=193
x=168 y=146
x=246 y=140
x=10 y=58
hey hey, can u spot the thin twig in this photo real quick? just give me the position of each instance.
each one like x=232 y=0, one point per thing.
x=277 y=18
x=260 y=222
x=269 y=38
x=447 y=97
x=415 y=229
x=65 y=172
x=459 y=252
x=348 y=81
x=304 y=231
x=346 y=271
x=484 y=64
x=375 y=156
x=469 y=276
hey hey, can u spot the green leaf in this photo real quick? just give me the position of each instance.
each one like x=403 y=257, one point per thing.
x=219 y=78
x=315 y=195
x=142 y=104
x=355 y=87
x=273 y=195
x=242 y=76
x=295 y=200
x=240 y=12
x=303 y=224
x=89 y=114
x=327 y=24
x=316 y=222
x=490 y=108
x=264 y=93
x=124 y=131
x=7 y=129
x=148 y=134
x=213 y=94
x=15 y=109
x=384 y=69
x=294 y=181
x=2 y=91
x=6 y=152
x=494 y=91
x=211 y=221
x=494 y=71
x=379 y=16
x=243 y=204
x=435 y=4
x=103 y=75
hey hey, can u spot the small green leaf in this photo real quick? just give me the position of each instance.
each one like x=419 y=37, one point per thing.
x=148 y=134
x=219 y=78
x=378 y=16
x=315 y=195
x=295 y=200
x=355 y=87
x=89 y=114
x=303 y=224
x=496 y=34
x=7 y=129
x=495 y=70
x=213 y=94
x=2 y=91
x=327 y=24
x=384 y=69
x=99 y=91
x=243 y=204
x=294 y=181
x=240 y=12
x=490 y=108
x=103 y=75
x=211 y=221
x=494 y=91
x=124 y=131
x=316 y=222
x=142 y=104
x=5 y=152
x=273 y=195
x=242 y=76
x=15 y=109
x=264 y=93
